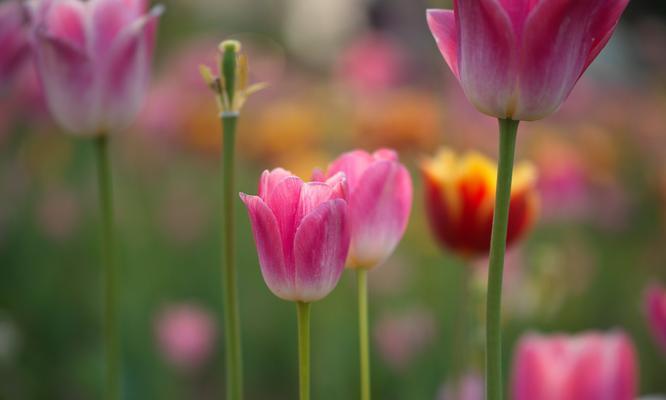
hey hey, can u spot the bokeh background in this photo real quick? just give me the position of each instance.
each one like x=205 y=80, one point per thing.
x=342 y=74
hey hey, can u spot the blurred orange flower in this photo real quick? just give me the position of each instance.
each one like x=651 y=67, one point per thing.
x=460 y=198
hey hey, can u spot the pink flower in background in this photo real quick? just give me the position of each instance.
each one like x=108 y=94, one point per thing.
x=14 y=46
x=94 y=59
x=401 y=338
x=185 y=335
x=470 y=387
x=520 y=59
x=655 y=307
x=590 y=366
x=380 y=200
x=302 y=233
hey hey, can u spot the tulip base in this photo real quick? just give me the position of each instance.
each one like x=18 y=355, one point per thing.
x=508 y=131
x=303 y=313
x=363 y=331
x=107 y=237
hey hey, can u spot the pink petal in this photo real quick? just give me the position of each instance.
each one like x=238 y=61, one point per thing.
x=443 y=26
x=69 y=84
x=518 y=11
x=352 y=164
x=278 y=277
x=488 y=61
x=129 y=70
x=338 y=184
x=655 y=307
x=312 y=195
x=108 y=19
x=284 y=201
x=380 y=207
x=65 y=20
x=270 y=179
x=320 y=247
x=385 y=154
x=561 y=39
x=14 y=48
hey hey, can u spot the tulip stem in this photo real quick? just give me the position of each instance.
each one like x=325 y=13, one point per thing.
x=363 y=331
x=234 y=359
x=507 y=147
x=303 y=312
x=111 y=340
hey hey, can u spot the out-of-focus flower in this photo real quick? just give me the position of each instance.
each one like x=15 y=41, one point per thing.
x=59 y=213
x=590 y=366
x=380 y=201
x=460 y=196
x=655 y=308
x=520 y=60
x=185 y=335
x=14 y=46
x=401 y=338
x=94 y=60
x=372 y=63
x=469 y=387
x=404 y=119
x=302 y=233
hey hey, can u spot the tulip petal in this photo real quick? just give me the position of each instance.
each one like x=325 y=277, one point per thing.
x=320 y=247
x=562 y=37
x=380 y=207
x=312 y=195
x=278 y=277
x=488 y=63
x=444 y=29
x=270 y=179
x=352 y=164
x=65 y=20
x=108 y=18
x=284 y=200
x=655 y=304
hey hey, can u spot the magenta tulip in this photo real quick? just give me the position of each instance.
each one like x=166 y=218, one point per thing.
x=589 y=366
x=94 y=60
x=380 y=200
x=302 y=233
x=655 y=306
x=14 y=47
x=520 y=59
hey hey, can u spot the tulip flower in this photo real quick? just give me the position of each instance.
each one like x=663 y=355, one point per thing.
x=14 y=47
x=655 y=307
x=94 y=59
x=460 y=196
x=520 y=59
x=302 y=233
x=380 y=200
x=590 y=366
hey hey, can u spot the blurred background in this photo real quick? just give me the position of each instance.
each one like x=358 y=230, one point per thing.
x=342 y=74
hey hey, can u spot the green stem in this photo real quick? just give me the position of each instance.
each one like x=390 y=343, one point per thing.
x=508 y=130
x=363 y=331
x=111 y=340
x=303 y=312
x=231 y=315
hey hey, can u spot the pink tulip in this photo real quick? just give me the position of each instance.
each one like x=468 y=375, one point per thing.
x=589 y=366
x=94 y=60
x=655 y=306
x=14 y=47
x=185 y=335
x=302 y=233
x=520 y=59
x=380 y=200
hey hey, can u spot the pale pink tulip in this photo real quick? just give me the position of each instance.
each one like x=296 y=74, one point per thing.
x=590 y=366
x=655 y=306
x=302 y=233
x=520 y=59
x=14 y=47
x=185 y=335
x=94 y=60
x=380 y=200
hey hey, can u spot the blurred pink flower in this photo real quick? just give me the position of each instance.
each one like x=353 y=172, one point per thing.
x=520 y=60
x=655 y=307
x=590 y=366
x=185 y=335
x=380 y=201
x=14 y=45
x=401 y=338
x=94 y=60
x=372 y=63
x=302 y=233
x=469 y=387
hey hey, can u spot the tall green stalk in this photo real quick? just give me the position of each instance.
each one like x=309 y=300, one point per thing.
x=231 y=314
x=363 y=331
x=303 y=312
x=111 y=340
x=508 y=130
